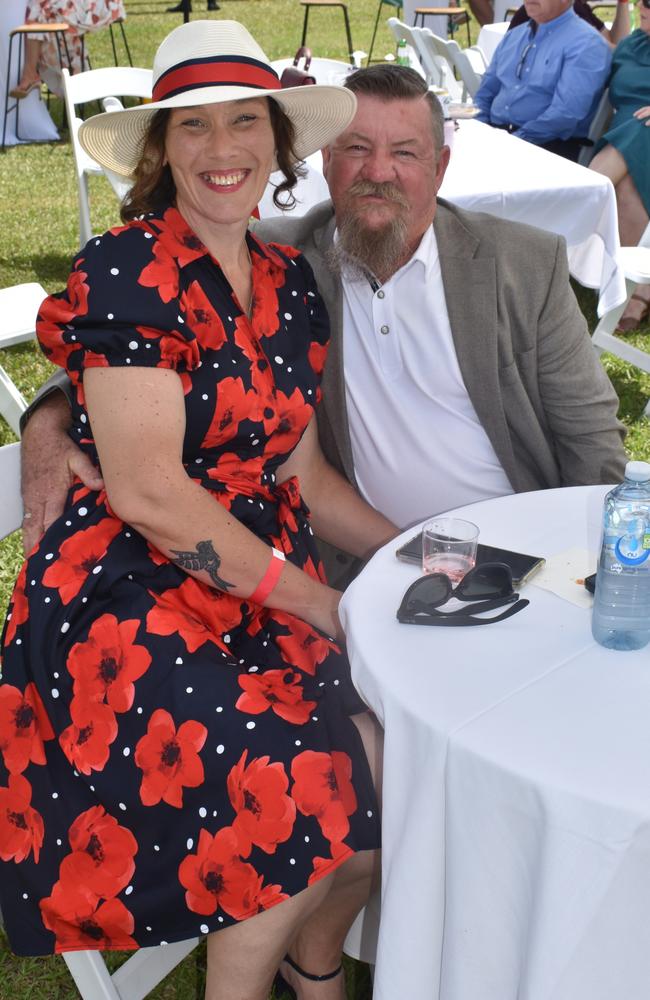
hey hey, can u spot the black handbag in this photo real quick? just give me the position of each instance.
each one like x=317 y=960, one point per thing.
x=293 y=76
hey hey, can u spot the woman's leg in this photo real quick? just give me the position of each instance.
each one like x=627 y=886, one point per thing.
x=632 y=222
x=30 y=66
x=610 y=163
x=243 y=959
x=318 y=944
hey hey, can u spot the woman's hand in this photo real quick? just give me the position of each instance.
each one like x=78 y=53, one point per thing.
x=643 y=113
x=326 y=616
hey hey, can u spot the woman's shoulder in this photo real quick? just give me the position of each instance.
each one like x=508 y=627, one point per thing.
x=636 y=47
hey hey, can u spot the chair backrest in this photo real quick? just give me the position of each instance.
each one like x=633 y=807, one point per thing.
x=471 y=66
x=11 y=504
x=599 y=124
x=93 y=85
x=400 y=31
x=19 y=305
x=437 y=58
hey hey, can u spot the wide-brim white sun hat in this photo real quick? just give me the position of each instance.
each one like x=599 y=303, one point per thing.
x=209 y=62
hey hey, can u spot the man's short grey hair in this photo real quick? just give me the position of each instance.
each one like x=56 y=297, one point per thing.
x=393 y=83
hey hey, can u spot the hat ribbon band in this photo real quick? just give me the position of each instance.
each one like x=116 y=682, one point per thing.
x=232 y=73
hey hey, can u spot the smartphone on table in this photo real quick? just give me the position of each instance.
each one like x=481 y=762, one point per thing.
x=522 y=566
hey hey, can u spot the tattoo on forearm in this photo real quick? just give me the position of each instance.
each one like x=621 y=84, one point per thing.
x=204 y=557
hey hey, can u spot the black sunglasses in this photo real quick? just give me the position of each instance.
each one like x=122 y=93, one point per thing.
x=489 y=585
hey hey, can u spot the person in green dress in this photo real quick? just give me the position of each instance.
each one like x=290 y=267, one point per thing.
x=624 y=152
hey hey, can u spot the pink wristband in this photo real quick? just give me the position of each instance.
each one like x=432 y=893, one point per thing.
x=270 y=578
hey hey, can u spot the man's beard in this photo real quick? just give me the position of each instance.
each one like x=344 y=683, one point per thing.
x=362 y=250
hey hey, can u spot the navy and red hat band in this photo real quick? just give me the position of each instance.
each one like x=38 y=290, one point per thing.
x=217 y=71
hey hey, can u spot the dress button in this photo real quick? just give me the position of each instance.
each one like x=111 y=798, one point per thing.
x=380 y=294
x=384 y=329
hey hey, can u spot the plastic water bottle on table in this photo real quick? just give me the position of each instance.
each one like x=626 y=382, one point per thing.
x=621 y=615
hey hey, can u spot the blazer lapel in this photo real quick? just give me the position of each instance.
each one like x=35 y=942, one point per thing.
x=471 y=296
x=333 y=384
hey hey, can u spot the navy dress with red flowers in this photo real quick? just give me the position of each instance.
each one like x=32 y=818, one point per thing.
x=172 y=758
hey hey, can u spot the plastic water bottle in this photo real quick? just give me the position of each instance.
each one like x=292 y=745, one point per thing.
x=621 y=617
x=403 y=53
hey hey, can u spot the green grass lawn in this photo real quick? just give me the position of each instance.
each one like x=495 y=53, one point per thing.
x=38 y=239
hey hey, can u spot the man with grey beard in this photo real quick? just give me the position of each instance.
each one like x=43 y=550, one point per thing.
x=460 y=366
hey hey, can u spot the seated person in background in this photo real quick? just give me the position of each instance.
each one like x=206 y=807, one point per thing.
x=623 y=154
x=460 y=365
x=176 y=712
x=42 y=63
x=546 y=78
x=620 y=25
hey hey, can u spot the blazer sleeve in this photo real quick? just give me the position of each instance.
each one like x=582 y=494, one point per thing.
x=578 y=399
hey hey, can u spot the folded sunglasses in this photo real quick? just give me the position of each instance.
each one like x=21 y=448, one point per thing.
x=489 y=586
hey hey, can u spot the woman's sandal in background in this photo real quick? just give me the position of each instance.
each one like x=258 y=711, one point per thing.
x=280 y=984
x=628 y=323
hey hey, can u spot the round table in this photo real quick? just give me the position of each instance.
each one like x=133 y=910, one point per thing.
x=35 y=123
x=516 y=822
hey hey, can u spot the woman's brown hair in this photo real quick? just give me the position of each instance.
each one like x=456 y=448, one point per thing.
x=154 y=187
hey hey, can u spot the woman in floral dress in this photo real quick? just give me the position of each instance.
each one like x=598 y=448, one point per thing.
x=179 y=735
x=42 y=63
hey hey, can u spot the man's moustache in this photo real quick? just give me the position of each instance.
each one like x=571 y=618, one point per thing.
x=383 y=189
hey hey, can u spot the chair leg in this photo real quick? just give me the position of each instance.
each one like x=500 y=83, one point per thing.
x=374 y=33
x=348 y=33
x=85 y=228
x=12 y=403
x=304 y=28
x=90 y=974
x=126 y=44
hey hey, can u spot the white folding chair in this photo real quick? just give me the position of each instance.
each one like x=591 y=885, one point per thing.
x=599 y=124
x=11 y=504
x=636 y=266
x=19 y=305
x=401 y=30
x=471 y=66
x=133 y=980
x=436 y=56
x=93 y=85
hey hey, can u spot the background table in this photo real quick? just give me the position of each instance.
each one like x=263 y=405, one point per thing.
x=34 y=122
x=490 y=37
x=516 y=825
x=491 y=171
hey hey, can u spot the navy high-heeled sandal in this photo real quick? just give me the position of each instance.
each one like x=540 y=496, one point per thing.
x=280 y=984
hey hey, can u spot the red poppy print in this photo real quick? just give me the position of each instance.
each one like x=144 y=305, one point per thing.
x=24 y=726
x=318 y=356
x=280 y=690
x=80 y=923
x=87 y=741
x=323 y=866
x=301 y=644
x=216 y=876
x=169 y=759
x=202 y=318
x=258 y=794
x=322 y=788
x=19 y=610
x=192 y=611
x=21 y=826
x=78 y=556
x=161 y=273
x=102 y=854
x=108 y=662
x=269 y=896
x=175 y=235
x=234 y=404
x=289 y=420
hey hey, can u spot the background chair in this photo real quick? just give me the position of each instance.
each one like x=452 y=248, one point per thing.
x=396 y=5
x=19 y=306
x=23 y=31
x=636 y=266
x=134 y=979
x=471 y=65
x=598 y=126
x=11 y=504
x=401 y=30
x=437 y=58
x=93 y=85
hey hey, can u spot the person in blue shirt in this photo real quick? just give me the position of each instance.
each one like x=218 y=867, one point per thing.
x=546 y=78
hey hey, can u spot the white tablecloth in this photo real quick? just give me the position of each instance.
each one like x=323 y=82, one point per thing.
x=491 y=171
x=516 y=828
x=35 y=123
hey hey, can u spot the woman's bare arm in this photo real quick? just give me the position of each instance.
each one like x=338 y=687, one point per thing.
x=138 y=422
x=339 y=515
